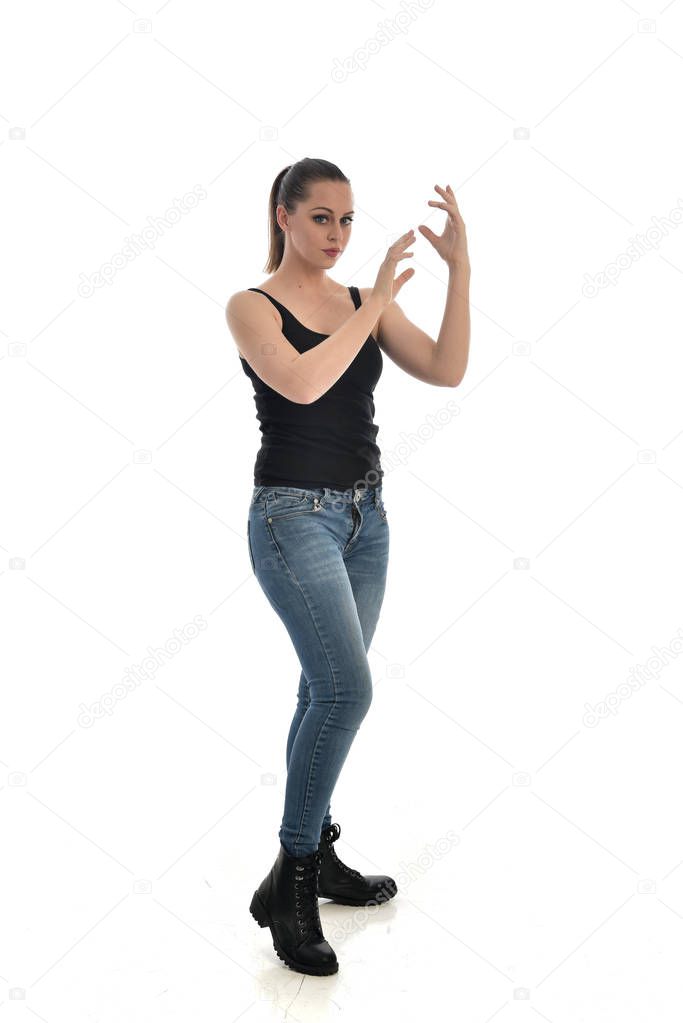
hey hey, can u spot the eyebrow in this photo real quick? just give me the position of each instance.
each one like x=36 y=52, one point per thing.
x=329 y=210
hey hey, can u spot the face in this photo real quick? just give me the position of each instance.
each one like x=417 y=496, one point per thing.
x=322 y=222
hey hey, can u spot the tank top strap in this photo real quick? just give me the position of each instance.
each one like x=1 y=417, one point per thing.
x=355 y=295
x=278 y=305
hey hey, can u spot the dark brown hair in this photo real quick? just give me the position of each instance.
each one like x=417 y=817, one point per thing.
x=291 y=187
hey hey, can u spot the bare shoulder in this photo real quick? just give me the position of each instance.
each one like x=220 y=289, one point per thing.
x=244 y=298
x=249 y=311
x=237 y=300
x=255 y=326
x=242 y=302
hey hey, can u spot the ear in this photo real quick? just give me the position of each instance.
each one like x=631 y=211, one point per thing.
x=281 y=216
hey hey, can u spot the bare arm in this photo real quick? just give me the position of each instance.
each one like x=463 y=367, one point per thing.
x=406 y=344
x=302 y=378
x=453 y=344
x=256 y=332
x=441 y=363
x=323 y=365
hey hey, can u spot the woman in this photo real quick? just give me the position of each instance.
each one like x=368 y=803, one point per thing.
x=317 y=530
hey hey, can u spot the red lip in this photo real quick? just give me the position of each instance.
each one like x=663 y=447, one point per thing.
x=332 y=252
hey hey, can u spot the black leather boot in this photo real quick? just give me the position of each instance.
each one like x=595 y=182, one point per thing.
x=287 y=902
x=342 y=884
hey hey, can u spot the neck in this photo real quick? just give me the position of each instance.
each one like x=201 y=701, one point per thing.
x=295 y=274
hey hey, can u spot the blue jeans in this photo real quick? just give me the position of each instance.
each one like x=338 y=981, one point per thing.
x=320 y=556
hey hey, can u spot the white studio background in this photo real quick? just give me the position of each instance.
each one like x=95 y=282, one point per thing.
x=520 y=768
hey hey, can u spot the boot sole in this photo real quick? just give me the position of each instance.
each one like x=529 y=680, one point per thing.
x=342 y=901
x=260 y=915
x=348 y=901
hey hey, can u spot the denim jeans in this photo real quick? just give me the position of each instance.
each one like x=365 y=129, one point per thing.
x=320 y=556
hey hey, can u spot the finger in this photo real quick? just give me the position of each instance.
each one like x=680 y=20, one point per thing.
x=447 y=192
x=402 y=278
x=457 y=215
x=453 y=200
x=450 y=208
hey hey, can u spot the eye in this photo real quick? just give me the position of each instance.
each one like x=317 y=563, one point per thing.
x=324 y=217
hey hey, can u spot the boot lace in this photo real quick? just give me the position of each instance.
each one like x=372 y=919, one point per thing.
x=331 y=835
x=306 y=889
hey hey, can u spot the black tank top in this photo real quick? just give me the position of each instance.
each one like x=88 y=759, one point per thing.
x=330 y=442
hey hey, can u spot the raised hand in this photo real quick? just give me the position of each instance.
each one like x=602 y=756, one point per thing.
x=451 y=244
x=387 y=286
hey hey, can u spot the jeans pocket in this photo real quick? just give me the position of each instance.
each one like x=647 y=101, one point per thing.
x=286 y=504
